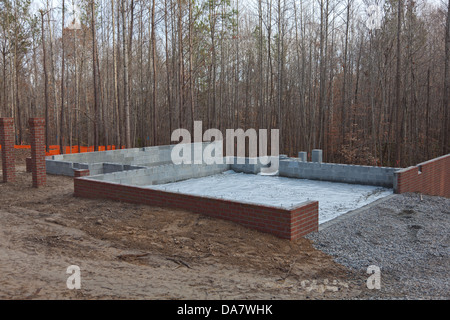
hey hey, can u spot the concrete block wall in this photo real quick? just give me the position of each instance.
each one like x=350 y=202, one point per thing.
x=249 y=167
x=63 y=168
x=38 y=165
x=60 y=168
x=94 y=168
x=161 y=174
x=114 y=167
x=118 y=156
x=429 y=178
x=364 y=175
x=7 y=143
x=99 y=163
x=95 y=161
x=143 y=156
x=134 y=159
x=289 y=224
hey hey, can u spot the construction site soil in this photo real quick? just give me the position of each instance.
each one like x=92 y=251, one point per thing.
x=138 y=252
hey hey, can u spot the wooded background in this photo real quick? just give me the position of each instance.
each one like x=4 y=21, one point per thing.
x=130 y=72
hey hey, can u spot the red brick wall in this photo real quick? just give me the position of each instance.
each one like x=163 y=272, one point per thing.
x=7 y=143
x=29 y=163
x=38 y=169
x=430 y=178
x=81 y=173
x=283 y=223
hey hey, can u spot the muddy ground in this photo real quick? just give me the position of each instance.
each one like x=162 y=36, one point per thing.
x=138 y=252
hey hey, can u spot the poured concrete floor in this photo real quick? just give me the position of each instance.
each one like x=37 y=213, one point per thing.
x=335 y=199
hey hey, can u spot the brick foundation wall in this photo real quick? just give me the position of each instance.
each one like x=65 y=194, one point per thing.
x=37 y=136
x=283 y=223
x=29 y=162
x=81 y=173
x=429 y=178
x=7 y=143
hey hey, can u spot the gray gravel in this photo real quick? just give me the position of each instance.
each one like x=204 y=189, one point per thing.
x=406 y=236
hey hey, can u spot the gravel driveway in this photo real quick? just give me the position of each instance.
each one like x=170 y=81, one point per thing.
x=407 y=236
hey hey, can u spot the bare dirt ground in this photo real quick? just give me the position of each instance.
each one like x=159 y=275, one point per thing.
x=138 y=252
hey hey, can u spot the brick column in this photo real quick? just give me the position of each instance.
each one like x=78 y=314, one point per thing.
x=81 y=173
x=37 y=135
x=28 y=162
x=7 y=142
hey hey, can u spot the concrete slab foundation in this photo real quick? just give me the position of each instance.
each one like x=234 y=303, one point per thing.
x=137 y=168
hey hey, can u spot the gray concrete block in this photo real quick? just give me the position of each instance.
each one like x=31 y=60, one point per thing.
x=303 y=156
x=337 y=173
x=59 y=168
x=58 y=157
x=317 y=156
x=293 y=164
x=141 y=181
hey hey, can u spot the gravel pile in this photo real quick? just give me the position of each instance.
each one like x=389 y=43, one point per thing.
x=406 y=236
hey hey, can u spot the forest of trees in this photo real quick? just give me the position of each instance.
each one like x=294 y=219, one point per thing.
x=130 y=72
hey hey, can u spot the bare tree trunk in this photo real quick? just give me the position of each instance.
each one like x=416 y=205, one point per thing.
x=261 y=71
x=344 y=81
x=191 y=62
x=125 y=76
x=212 y=17
x=44 y=63
x=427 y=116
x=63 y=65
x=94 y=73
x=280 y=72
x=16 y=81
x=5 y=97
x=446 y=124
x=180 y=66
x=77 y=94
x=53 y=75
x=323 y=71
x=155 y=76
x=398 y=120
x=116 y=82
x=168 y=79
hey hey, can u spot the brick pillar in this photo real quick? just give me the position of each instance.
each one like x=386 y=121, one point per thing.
x=81 y=173
x=37 y=135
x=7 y=142
x=28 y=162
